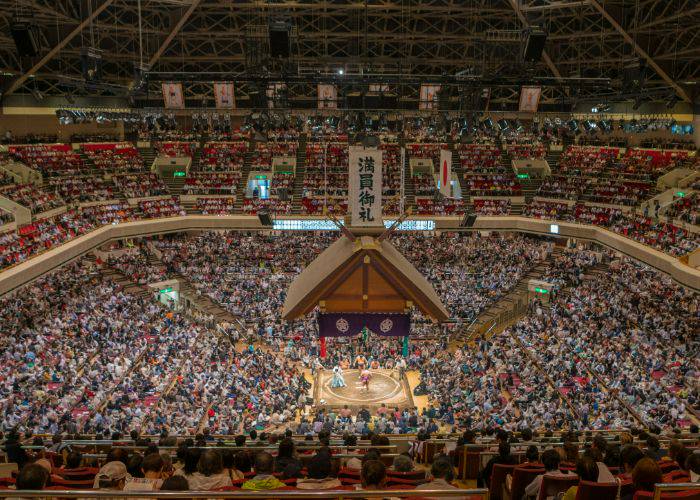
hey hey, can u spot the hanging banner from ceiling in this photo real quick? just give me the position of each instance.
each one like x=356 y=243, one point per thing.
x=365 y=185
x=428 y=96
x=530 y=99
x=224 y=96
x=327 y=96
x=446 y=172
x=275 y=95
x=173 y=98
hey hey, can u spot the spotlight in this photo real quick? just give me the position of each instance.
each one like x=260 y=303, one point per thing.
x=590 y=126
x=341 y=71
x=573 y=126
x=503 y=125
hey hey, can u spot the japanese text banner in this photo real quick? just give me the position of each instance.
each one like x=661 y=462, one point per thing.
x=365 y=186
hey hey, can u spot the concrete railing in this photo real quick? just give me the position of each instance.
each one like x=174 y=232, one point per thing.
x=24 y=272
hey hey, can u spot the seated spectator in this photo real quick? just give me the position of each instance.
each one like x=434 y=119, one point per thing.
x=263 y=479
x=629 y=456
x=532 y=455
x=653 y=450
x=32 y=477
x=645 y=475
x=551 y=460
x=587 y=470
x=692 y=465
x=175 y=483
x=111 y=477
x=441 y=476
x=318 y=476
x=504 y=457
x=402 y=463
x=287 y=463
x=152 y=469
x=373 y=475
x=210 y=473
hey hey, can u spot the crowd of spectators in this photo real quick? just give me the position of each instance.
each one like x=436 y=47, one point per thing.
x=33 y=197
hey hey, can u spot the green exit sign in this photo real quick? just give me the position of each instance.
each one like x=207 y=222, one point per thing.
x=680 y=194
x=179 y=173
x=167 y=290
x=523 y=176
x=261 y=176
x=541 y=290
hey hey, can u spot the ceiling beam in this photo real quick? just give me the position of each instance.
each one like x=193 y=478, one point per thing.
x=640 y=51
x=176 y=29
x=62 y=43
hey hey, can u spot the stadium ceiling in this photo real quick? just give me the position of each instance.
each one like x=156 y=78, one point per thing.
x=465 y=44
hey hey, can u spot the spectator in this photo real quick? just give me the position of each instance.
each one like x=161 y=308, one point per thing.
x=550 y=460
x=441 y=476
x=504 y=457
x=112 y=476
x=587 y=470
x=175 y=483
x=32 y=477
x=153 y=475
x=646 y=474
x=318 y=477
x=263 y=479
x=210 y=473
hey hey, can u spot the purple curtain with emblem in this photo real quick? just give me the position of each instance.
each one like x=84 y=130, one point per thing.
x=350 y=324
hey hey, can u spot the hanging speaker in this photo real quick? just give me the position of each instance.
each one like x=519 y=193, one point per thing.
x=468 y=220
x=264 y=217
x=25 y=37
x=279 y=42
x=534 y=44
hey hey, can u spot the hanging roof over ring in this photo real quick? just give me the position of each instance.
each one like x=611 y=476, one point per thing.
x=364 y=275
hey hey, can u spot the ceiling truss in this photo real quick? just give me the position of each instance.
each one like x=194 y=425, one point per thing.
x=430 y=38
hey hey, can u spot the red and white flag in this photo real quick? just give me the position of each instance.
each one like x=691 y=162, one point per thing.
x=446 y=172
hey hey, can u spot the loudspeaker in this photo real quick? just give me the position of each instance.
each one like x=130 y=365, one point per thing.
x=24 y=35
x=279 y=43
x=283 y=194
x=265 y=218
x=91 y=61
x=534 y=44
x=468 y=220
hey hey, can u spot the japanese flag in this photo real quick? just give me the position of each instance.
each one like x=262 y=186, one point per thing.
x=446 y=172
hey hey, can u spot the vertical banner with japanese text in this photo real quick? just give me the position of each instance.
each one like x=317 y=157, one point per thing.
x=173 y=97
x=365 y=185
x=224 y=96
x=446 y=172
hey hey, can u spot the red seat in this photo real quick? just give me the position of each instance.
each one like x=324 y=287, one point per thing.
x=589 y=490
x=498 y=479
x=415 y=475
x=522 y=476
x=552 y=485
x=85 y=484
x=668 y=466
x=677 y=476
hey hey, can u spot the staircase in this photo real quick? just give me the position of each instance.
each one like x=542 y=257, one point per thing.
x=149 y=156
x=509 y=308
x=243 y=183
x=298 y=188
x=205 y=304
x=174 y=184
x=409 y=191
x=530 y=188
x=127 y=285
